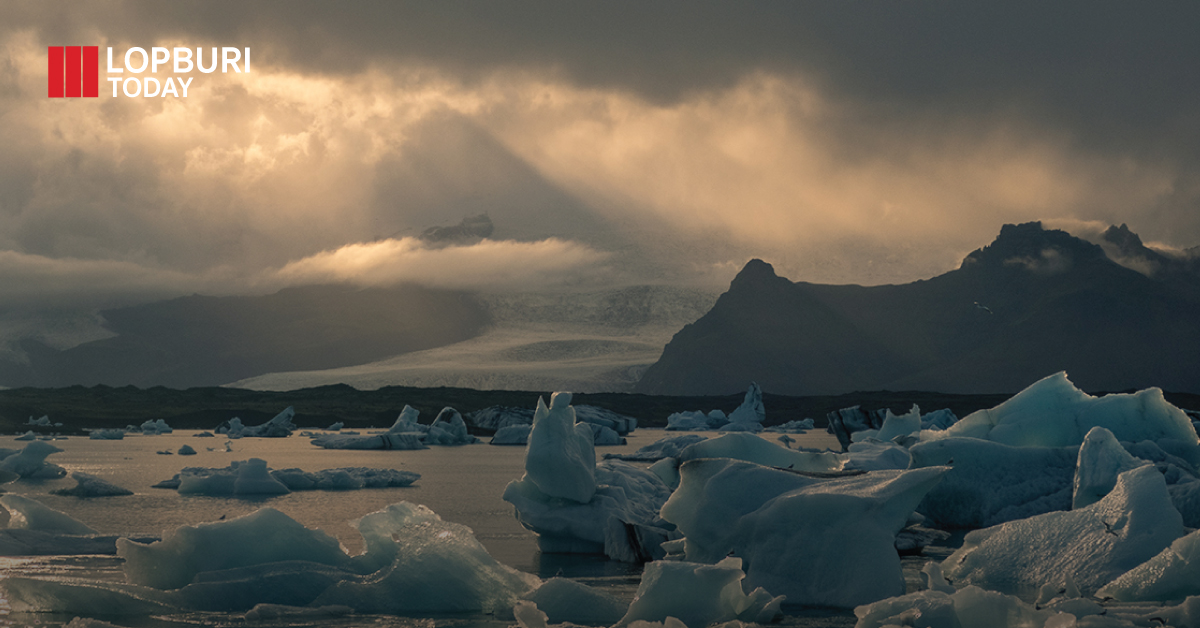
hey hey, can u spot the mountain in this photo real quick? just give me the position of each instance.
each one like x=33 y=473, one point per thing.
x=206 y=341
x=1033 y=302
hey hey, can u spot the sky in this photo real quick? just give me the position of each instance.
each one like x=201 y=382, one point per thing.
x=610 y=143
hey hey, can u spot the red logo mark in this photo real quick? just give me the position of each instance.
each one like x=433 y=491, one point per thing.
x=73 y=71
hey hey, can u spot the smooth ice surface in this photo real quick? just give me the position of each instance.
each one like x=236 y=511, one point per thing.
x=88 y=485
x=818 y=541
x=29 y=514
x=698 y=595
x=561 y=458
x=562 y=600
x=874 y=455
x=753 y=448
x=1054 y=413
x=1101 y=460
x=1172 y=575
x=1091 y=546
x=991 y=483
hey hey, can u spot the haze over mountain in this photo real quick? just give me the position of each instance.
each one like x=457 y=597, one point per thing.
x=207 y=341
x=1033 y=302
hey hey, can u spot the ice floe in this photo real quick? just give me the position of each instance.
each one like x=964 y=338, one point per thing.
x=254 y=478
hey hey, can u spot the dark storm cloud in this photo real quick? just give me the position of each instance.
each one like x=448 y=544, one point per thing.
x=1121 y=68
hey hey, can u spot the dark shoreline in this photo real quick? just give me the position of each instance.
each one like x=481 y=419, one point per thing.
x=79 y=407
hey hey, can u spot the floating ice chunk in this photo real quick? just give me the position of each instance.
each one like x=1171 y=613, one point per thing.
x=752 y=448
x=350 y=440
x=336 y=426
x=30 y=462
x=1054 y=413
x=614 y=421
x=971 y=606
x=44 y=421
x=429 y=565
x=751 y=414
x=690 y=421
x=792 y=427
x=1092 y=545
x=819 y=541
x=902 y=425
x=992 y=483
x=448 y=429
x=248 y=477
x=496 y=418
x=280 y=426
x=30 y=435
x=561 y=459
x=151 y=428
x=88 y=485
x=263 y=536
x=512 y=435
x=934 y=580
x=1101 y=460
x=107 y=434
x=265 y=612
x=1174 y=574
x=938 y=419
x=560 y=600
x=698 y=595
x=621 y=520
x=407 y=422
x=223 y=481
x=28 y=514
x=187 y=450
x=528 y=615
x=604 y=437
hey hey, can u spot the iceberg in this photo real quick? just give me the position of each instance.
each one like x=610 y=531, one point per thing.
x=748 y=417
x=151 y=428
x=792 y=427
x=28 y=514
x=698 y=595
x=1174 y=574
x=30 y=462
x=88 y=485
x=414 y=563
x=1054 y=413
x=253 y=477
x=666 y=447
x=107 y=434
x=1101 y=460
x=819 y=541
x=1091 y=546
x=281 y=426
x=561 y=459
x=577 y=506
x=752 y=448
x=561 y=600
x=448 y=429
x=512 y=435
x=991 y=483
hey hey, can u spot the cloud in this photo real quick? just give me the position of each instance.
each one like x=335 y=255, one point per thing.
x=489 y=265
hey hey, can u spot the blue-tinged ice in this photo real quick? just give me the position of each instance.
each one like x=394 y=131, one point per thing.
x=281 y=426
x=819 y=541
x=28 y=514
x=1092 y=545
x=1101 y=460
x=561 y=459
x=30 y=462
x=1054 y=413
x=699 y=595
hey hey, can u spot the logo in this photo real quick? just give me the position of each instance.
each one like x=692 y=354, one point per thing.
x=74 y=71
